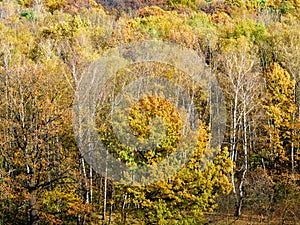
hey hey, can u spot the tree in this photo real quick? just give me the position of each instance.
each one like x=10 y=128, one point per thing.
x=240 y=84
x=281 y=134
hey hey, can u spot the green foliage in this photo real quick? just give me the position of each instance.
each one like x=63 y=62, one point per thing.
x=252 y=30
x=193 y=189
x=28 y=15
x=157 y=26
x=182 y=2
x=237 y=3
x=187 y=195
x=256 y=4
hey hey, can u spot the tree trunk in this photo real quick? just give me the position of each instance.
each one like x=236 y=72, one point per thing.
x=105 y=192
x=32 y=217
x=238 y=211
x=233 y=145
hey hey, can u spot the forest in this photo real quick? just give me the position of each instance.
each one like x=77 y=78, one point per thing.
x=227 y=153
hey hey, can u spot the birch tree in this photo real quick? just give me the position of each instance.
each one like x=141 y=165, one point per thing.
x=238 y=64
